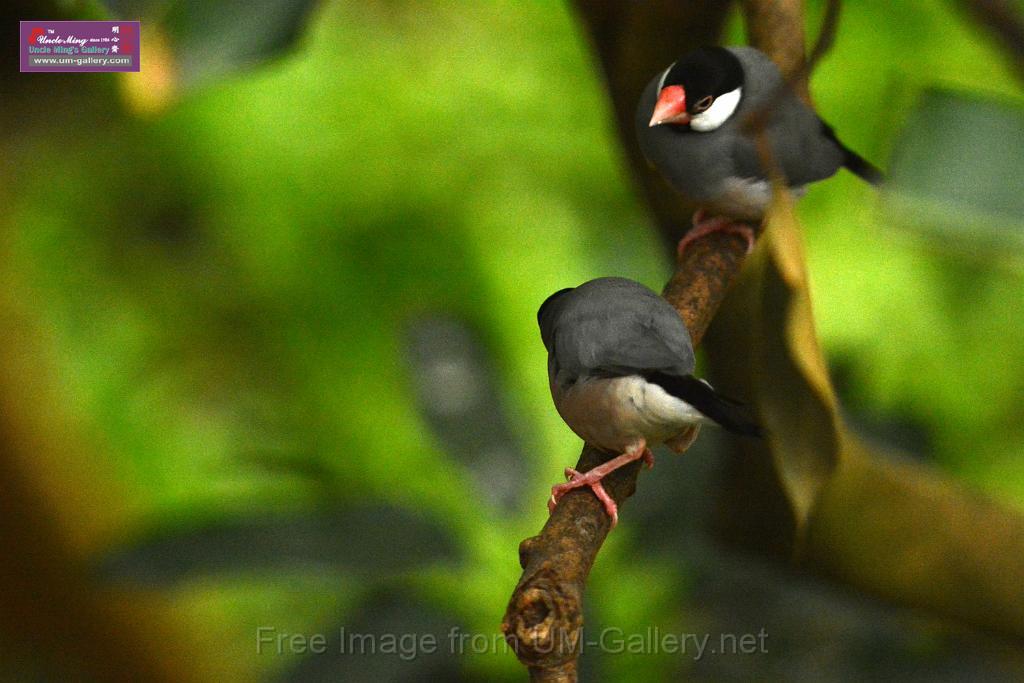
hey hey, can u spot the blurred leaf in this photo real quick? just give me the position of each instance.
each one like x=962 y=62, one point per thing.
x=155 y=85
x=795 y=398
x=458 y=393
x=957 y=168
x=394 y=637
x=893 y=528
x=368 y=541
x=885 y=526
x=188 y=42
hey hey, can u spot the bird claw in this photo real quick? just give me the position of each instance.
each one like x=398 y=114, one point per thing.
x=592 y=478
x=704 y=226
x=648 y=457
x=577 y=480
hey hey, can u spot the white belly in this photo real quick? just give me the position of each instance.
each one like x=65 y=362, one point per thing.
x=614 y=414
x=745 y=198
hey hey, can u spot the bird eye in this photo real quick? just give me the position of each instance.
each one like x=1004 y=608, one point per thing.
x=703 y=103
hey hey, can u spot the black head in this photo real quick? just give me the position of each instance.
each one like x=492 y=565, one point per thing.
x=705 y=72
x=693 y=84
x=545 y=309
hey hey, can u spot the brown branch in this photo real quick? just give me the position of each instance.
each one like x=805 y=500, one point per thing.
x=771 y=27
x=545 y=614
x=881 y=525
x=900 y=531
x=776 y=27
x=633 y=40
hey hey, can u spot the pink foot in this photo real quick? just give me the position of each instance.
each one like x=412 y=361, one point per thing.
x=593 y=479
x=704 y=226
x=576 y=480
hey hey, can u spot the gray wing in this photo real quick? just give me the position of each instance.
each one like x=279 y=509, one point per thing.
x=617 y=329
x=796 y=134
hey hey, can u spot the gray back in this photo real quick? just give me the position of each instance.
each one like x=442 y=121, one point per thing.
x=613 y=327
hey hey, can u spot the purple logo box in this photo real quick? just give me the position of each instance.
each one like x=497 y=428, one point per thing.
x=79 y=46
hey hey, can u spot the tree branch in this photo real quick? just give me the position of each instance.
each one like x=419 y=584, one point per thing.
x=879 y=524
x=545 y=614
x=776 y=27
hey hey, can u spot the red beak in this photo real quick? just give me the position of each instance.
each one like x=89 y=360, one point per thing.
x=671 y=107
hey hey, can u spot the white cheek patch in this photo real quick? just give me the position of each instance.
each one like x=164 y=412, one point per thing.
x=718 y=113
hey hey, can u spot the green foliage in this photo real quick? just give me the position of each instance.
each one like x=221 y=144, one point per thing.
x=929 y=332
x=213 y=39
x=964 y=191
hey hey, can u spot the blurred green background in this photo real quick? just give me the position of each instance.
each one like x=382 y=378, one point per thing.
x=278 y=324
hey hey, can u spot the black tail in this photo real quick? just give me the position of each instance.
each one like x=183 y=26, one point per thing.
x=855 y=162
x=732 y=415
x=861 y=166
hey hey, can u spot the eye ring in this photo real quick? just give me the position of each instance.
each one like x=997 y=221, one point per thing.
x=703 y=103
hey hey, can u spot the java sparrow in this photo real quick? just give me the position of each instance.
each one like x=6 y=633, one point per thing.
x=620 y=367
x=692 y=125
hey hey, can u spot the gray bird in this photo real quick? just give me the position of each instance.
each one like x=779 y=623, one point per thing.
x=620 y=366
x=692 y=125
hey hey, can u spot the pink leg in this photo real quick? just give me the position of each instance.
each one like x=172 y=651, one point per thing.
x=704 y=226
x=592 y=478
